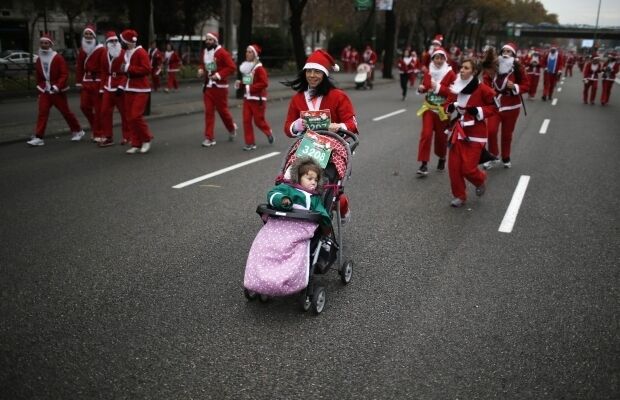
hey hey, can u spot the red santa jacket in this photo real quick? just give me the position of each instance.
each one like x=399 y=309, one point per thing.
x=217 y=65
x=408 y=68
x=559 y=63
x=610 y=70
x=156 y=60
x=591 y=72
x=509 y=99
x=482 y=98
x=88 y=67
x=257 y=90
x=532 y=64
x=173 y=61
x=433 y=95
x=137 y=68
x=112 y=76
x=53 y=75
x=336 y=101
x=369 y=57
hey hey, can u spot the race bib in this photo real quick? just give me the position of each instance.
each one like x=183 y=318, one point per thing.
x=315 y=146
x=435 y=99
x=317 y=120
x=211 y=66
x=247 y=79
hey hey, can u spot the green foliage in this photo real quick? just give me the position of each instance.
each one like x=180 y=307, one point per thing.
x=275 y=46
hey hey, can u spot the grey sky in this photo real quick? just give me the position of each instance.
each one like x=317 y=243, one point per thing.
x=584 y=11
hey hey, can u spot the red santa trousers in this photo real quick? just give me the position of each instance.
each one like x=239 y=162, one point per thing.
x=589 y=86
x=172 y=83
x=110 y=100
x=508 y=119
x=568 y=71
x=549 y=81
x=412 y=77
x=58 y=100
x=135 y=102
x=606 y=91
x=463 y=164
x=431 y=123
x=533 y=85
x=156 y=81
x=254 y=109
x=90 y=104
x=216 y=99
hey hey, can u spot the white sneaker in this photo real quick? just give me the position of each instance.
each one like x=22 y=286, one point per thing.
x=77 y=136
x=208 y=143
x=507 y=164
x=133 y=150
x=231 y=136
x=35 y=141
x=490 y=164
x=146 y=146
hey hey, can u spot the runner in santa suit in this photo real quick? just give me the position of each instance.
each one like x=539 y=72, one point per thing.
x=533 y=67
x=173 y=65
x=137 y=67
x=427 y=55
x=406 y=66
x=216 y=65
x=156 y=60
x=570 y=62
x=473 y=102
x=434 y=118
x=51 y=74
x=113 y=79
x=591 y=74
x=509 y=83
x=416 y=68
x=345 y=57
x=88 y=79
x=370 y=57
x=553 y=62
x=610 y=71
x=255 y=82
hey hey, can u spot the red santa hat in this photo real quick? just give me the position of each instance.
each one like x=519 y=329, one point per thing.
x=512 y=47
x=129 y=36
x=110 y=35
x=322 y=61
x=255 y=49
x=214 y=36
x=439 y=50
x=90 y=28
x=46 y=36
x=438 y=40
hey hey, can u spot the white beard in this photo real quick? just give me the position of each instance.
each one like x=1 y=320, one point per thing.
x=88 y=45
x=168 y=54
x=246 y=67
x=535 y=60
x=437 y=74
x=505 y=65
x=594 y=67
x=459 y=84
x=114 y=49
x=45 y=53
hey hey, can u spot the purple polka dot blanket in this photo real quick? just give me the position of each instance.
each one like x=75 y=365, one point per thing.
x=279 y=259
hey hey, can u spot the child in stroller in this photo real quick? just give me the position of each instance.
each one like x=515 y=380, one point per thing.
x=289 y=248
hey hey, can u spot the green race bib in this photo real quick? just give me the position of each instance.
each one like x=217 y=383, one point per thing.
x=312 y=148
x=317 y=120
x=211 y=66
x=247 y=79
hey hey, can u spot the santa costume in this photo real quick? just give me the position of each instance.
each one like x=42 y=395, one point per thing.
x=173 y=65
x=570 y=62
x=553 y=62
x=407 y=66
x=533 y=68
x=156 y=59
x=51 y=74
x=591 y=74
x=435 y=43
x=88 y=78
x=610 y=71
x=216 y=65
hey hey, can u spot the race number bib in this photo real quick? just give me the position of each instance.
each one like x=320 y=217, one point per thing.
x=211 y=66
x=317 y=120
x=313 y=145
x=247 y=79
x=435 y=99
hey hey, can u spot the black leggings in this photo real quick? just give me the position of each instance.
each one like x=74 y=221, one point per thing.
x=404 y=81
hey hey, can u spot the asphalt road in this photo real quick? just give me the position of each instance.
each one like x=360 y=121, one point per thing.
x=115 y=285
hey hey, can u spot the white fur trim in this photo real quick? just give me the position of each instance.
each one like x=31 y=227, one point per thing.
x=212 y=36
x=317 y=66
x=514 y=51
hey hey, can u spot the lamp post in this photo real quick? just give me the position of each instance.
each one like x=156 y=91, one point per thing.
x=598 y=12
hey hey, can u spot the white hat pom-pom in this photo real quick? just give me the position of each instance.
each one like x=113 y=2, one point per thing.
x=336 y=68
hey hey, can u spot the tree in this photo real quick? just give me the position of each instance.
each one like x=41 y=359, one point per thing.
x=73 y=9
x=390 y=38
x=297 y=9
x=244 y=37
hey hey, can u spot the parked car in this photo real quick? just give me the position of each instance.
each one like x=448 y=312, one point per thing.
x=17 y=60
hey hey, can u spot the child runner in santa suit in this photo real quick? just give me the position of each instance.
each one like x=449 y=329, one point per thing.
x=255 y=84
x=473 y=102
x=591 y=74
x=88 y=79
x=610 y=71
x=137 y=67
x=434 y=118
x=509 y=82
x=216 y=65
x=51 y=74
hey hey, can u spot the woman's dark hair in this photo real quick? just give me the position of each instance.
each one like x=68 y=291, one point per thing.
x=489 y=60
x=300 y=84
x=308 y=164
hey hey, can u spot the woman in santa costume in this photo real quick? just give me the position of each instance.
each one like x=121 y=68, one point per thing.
x=137 y=67
x=88 y=79
x=51 y=74
x=533 y=69
x=216 y=65
x=591 y=74
x=113 y=79
x=173 y=65
x=509 y=82
x=610 y=70
x=473 y=102
x=255 y=82
x=434 y=118
x=156 y=60
x=553 y=63
x=316 y=91
x=407 y=65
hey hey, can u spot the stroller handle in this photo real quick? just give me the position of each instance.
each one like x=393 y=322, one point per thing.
x=347 y=135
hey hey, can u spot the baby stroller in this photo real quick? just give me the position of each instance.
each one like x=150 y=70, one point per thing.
x=362 y=77
x=275 y=270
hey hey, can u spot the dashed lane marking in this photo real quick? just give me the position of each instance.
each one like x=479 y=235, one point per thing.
x=402 y=110
x=559 y=89
x=554 y=102
x=544 y=126
x=515 y=204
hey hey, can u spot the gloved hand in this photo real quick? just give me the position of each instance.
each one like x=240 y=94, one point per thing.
x=451 y=108
x=299 y=125
x=472 y=111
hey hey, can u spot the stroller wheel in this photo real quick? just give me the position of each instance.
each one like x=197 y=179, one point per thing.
x=250 y=295
x=346 y=271
x=305 y=301
x=263 y=298
x=318 y=300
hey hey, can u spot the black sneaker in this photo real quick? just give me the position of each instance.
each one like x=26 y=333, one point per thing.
x=423 y=170
x=441 y=164
x=270 y=139
x=544 y=98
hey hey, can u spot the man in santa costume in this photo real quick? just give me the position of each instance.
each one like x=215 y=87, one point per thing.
x=533 y=67
x=51 y=74
x=570 y=62
x=553 y=62
x=137 y=67
x=509 y=82
x=427 y=55
x=610 y=71
x=370 y=57
x=216 y=65
x=113 y=79
x=88 y=79
x=172 y=61
x=591 y=74
x=156 y=59
x=434 y=118
x=255 y=82
x=345 y=57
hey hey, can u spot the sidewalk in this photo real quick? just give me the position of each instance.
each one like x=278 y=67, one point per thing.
x=18 y=115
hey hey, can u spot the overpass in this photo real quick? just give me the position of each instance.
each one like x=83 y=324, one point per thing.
x=563 y=31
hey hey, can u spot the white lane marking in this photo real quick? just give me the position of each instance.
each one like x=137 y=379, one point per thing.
x=224 y=170
x=554 y=102
x=402 y=110
x=544 y=126
x=618 y=81
x=559 y=89
x=562 y=82
x=513 y=208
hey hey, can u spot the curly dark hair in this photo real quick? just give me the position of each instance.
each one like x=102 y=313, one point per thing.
x=300 y=84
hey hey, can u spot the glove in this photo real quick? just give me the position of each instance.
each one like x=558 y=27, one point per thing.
x=451 y=108
x=472 y=111
x=298 y=126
